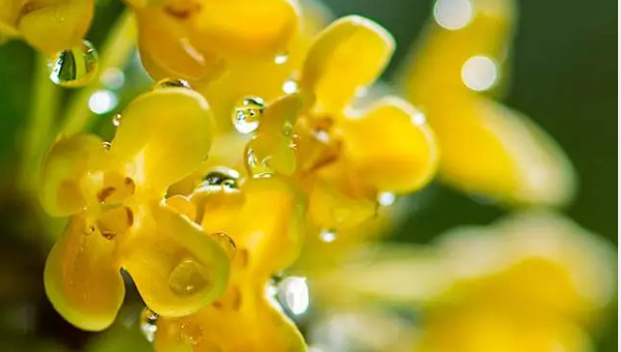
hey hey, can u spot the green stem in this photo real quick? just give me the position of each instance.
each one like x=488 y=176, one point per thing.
x=115 y=52
x=39 y=124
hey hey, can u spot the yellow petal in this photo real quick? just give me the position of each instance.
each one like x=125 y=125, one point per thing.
x=331 y=210
x=495 y=151
x=58 y=25
x=82 y=279
x=167 y=48
x=176 y=267
x=390 y=146
x=271 y=150
x=265 y=328
x=165 y=135
x=245 y=27
x=64 y=166
x=349 y=54
x=271 y=230
x=434 y=70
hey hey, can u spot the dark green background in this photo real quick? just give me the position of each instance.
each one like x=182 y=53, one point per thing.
x=564 y=78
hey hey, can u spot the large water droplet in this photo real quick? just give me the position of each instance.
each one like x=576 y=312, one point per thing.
x=74 y=67
x=293 y=294
x=187 y=278
x=220 y=179
x=247 y=114
x=172 y=83
x=226 y=242
x=148 y=324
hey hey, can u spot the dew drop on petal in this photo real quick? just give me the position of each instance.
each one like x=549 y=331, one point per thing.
x=281 y=59
x=148 y=324
x=106 y=145
x=479 y=73
x=187 y=278
x=293 y=294
x=327 y=235
x=171 y=83
x=220 y=179
x=116 y=120
x=247 y=114
x=227 y=243
x=257 y=166
x=74 y=67
x=290 y=86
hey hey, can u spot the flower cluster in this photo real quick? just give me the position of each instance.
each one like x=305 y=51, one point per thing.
x=267 y=146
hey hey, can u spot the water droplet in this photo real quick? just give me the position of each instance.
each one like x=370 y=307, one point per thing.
x=227 y=243
x=453 y=14
x=89 y=229
x=102 y=101
x=172 y=83
x=256 y=165
x=148 y=324
x=220 y=179
x=281 y=59
x=479 y=73
x=74 y=67
x=187 y=278
x=247 y=114
x=386 y=199
x=106 y=145
x=116 y=120
x=108 y=235
x=327 y=235
x=290 y=86
x=293 y=294
x=287 y=129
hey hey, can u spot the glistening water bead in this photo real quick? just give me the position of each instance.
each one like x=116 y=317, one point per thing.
x=247 y=114
x=172 y=83
x=74 y=67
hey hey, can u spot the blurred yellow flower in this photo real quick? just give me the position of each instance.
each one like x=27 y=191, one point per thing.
x=486 y=147
x=114 y=192
x=48 y=25
x=532 y=282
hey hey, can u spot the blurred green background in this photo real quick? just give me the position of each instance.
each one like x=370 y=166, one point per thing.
x=564 y=77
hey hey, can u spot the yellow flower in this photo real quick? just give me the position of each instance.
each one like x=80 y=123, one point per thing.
x=48 y=25
x=532 y=282
x=529 y=283
x=486 y=147
x=194 y=39
x=347 y=155
x=264 y=217
x=118 y=220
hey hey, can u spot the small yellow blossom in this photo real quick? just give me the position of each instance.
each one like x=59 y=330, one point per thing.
x=48 y=25
x=194 y=39
x=114 y=193
x=348 y=155
x=486 y=147
x=264 y=218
